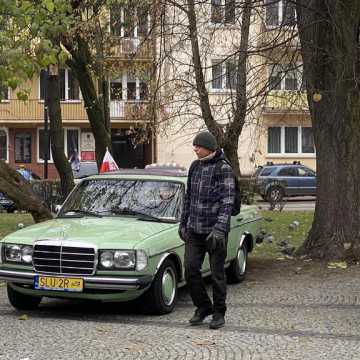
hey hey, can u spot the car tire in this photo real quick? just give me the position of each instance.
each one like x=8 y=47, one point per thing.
x=10 y=211
x=21 y=301
x=236 y=272
x=275 y=194
x=161 y=297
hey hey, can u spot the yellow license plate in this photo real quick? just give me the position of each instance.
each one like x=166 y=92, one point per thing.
x=58 y=283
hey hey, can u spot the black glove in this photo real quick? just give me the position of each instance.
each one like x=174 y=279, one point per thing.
x=216 y=240
x=182 y=232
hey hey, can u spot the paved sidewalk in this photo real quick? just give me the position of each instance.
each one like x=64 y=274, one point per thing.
x=285 y=310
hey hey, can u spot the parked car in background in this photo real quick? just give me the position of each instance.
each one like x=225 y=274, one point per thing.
x=6 y=203
x=115 y=238
x=275 y=181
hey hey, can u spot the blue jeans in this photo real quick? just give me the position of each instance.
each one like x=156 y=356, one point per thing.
x=195 y=251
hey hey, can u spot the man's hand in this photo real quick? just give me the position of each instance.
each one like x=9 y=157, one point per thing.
x=216 y=240
x=182 y=232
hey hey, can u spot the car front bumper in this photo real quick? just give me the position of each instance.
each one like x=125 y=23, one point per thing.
x=90 y=282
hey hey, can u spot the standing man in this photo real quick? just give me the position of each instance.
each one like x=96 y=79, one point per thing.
x=204 y=226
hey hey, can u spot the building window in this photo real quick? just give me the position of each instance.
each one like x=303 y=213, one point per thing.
x=42 y=146
x=280 y=12
x=130 y=87
x=223 y=11
x=290 y=140
x=3 y=145
x=285 y=77
x=224 y=75
x=71 y=144
x=307 y=141
x=23 y=147
x=130 y=22
x=69 y=85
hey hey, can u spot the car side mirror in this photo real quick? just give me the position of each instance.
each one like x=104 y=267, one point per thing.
x=57 y=208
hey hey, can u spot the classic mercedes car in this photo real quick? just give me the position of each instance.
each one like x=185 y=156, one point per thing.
x=115 y=238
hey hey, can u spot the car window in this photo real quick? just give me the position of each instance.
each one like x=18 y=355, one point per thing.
x=287 y=171
x=302 y=172
x=266 y=171
x=310 y=172
x=155 y=198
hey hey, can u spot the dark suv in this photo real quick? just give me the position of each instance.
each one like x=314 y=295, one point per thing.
x=274 y=181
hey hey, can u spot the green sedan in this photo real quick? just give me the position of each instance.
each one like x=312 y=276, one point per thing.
x=115 y=238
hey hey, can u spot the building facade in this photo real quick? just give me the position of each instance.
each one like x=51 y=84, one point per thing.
x=277 y=128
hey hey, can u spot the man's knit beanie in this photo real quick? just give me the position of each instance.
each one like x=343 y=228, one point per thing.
x=206 y=140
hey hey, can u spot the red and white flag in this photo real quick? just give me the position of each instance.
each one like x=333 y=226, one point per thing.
x=108 y=163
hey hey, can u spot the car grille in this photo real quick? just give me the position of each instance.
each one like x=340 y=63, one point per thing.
x=64 y=259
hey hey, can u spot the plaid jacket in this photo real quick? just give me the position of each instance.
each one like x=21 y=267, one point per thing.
x=209 y=196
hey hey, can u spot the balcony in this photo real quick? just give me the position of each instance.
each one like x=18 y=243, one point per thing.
x=132 y=49
x=129 y=110
x=20 y=111
x=282 y=101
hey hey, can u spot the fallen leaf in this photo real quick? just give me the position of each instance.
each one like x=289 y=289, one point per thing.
x=347 y=246
x=337 y=265
x=23 y=317
x=204 y=342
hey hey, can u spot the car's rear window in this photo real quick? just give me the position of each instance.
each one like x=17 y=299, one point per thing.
x=266 y=171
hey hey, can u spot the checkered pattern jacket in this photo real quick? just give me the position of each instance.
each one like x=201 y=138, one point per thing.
x=209 y=196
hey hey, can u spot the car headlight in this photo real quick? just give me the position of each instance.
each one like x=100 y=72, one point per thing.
x=107 y=259
x=123 y=259
x=27 y=254
x=18 y=253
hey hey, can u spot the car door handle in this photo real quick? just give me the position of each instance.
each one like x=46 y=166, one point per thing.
x=240 y=219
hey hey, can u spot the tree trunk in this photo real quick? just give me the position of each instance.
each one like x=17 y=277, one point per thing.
x=57 y=135
x=10 y=183
x=79 y=63
x=329 y=40
x=228 y=140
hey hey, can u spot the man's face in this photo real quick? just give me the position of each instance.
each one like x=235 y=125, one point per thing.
x=201 y=152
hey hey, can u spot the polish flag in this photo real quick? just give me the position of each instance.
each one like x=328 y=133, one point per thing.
x=108 y=163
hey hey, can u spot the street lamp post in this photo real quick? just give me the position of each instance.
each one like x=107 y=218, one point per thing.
x=46 y=125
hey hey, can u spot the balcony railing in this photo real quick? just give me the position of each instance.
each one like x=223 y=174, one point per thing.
x=286 y=101
x=132 y=48
x=33 y=110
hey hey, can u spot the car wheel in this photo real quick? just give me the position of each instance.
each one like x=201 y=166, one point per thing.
x=10 y=211
x=161 y=297
x=236 y=272
x=275 y=194
x=21 y=301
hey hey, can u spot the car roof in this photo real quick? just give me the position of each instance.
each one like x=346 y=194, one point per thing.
x=148 y=174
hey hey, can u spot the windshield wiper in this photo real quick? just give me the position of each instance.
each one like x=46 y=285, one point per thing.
x=141 y=215
x=83 y=212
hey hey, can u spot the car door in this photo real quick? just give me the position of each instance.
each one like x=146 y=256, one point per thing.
x=307 y=178
x=288 y=174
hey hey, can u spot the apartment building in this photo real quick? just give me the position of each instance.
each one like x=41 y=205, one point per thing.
x=278 y=126
x=285 y=133
x=22 y=140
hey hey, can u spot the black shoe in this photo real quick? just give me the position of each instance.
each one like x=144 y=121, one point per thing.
x=217 y=321
x=199 y=316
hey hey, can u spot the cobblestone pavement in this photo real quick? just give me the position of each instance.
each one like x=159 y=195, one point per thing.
x=285 y=310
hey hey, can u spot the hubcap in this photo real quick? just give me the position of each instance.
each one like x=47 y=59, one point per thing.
x=275 y=194
x=168 y=286
x=241 y=258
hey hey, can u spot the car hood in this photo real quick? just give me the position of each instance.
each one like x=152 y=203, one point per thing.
x=105 y=232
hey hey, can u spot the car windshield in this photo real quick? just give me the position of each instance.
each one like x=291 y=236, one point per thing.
x=145 y=199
